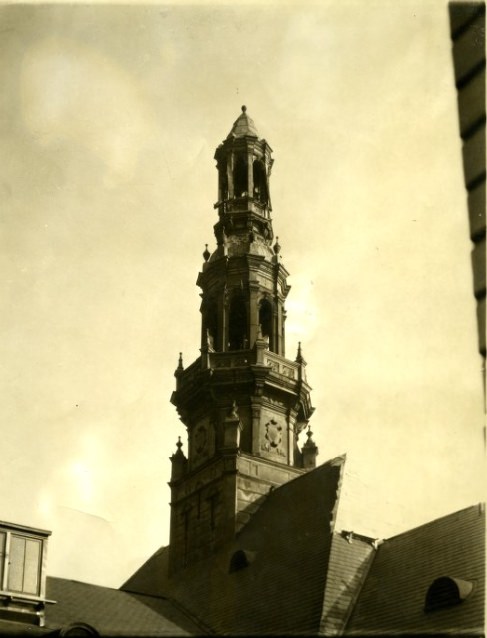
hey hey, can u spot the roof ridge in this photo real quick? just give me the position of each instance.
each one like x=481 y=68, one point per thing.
x=195 y=619
x=480 y=506
x=158 y=552
x=181 y=608
x=82 y=582
x=337 y=460
x=138 y=593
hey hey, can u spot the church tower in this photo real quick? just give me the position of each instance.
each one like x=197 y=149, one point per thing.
x=242 y=401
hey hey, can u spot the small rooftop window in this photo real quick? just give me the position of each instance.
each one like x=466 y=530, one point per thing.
x=241 y=559
x=446 y=591
x=78 y=629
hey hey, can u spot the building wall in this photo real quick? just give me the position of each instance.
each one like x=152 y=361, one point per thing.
x=467 y=26
x=255 y=479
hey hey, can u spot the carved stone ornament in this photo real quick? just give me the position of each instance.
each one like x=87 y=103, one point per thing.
x=288 y=372
x=276 y=402
x=273 y=436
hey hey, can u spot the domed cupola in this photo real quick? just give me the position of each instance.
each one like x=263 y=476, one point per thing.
x=243 y=126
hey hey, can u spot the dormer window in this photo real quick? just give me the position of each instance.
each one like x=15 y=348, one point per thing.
x=24 y=565
x=22 y=572
x=447 y=591
x=240 y=559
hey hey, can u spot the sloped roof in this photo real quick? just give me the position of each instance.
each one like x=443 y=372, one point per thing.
x=348 y=565
x=11 y=628
x=287 y=541
x=113 y=612
x=243 y=126
x=151 y=577
x=393 y=596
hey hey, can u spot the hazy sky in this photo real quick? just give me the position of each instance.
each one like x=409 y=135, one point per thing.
x=109 y=118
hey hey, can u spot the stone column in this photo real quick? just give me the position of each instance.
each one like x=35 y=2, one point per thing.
x=290 y=421
x=250 y=173
x=253 y=315
x=223 y=318
x=230 y=176
x=256 y=409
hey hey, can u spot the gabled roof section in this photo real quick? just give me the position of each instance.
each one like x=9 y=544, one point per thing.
x=243 y=126
x=113 y=612
x=150 y=577
x=280 y=589
x=392 y=600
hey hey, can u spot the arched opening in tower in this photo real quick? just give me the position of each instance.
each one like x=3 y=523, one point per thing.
x=260 y=182
x=211 y=324
x=222 y=169
x=240 y=177
x=265 y=320
x=237 y=329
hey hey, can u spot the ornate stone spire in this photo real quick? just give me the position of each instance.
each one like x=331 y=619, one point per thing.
x=179 y=462
x=299 y=356
x=310 y=451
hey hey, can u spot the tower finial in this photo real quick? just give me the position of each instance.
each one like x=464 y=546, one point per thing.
x=309 y=441
x=180 y=369
x=179 y=462
x=299 y=357
x=244 y=108
x=310 y=451
x=206 y=254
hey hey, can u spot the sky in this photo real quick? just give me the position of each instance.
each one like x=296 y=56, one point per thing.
x=109 y=119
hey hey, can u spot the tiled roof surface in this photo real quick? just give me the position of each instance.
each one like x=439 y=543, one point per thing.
x=281 y=590
x=11 y=628
x=151 y=577
x=393 y=596
x=349 y=563
x=113 y=612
